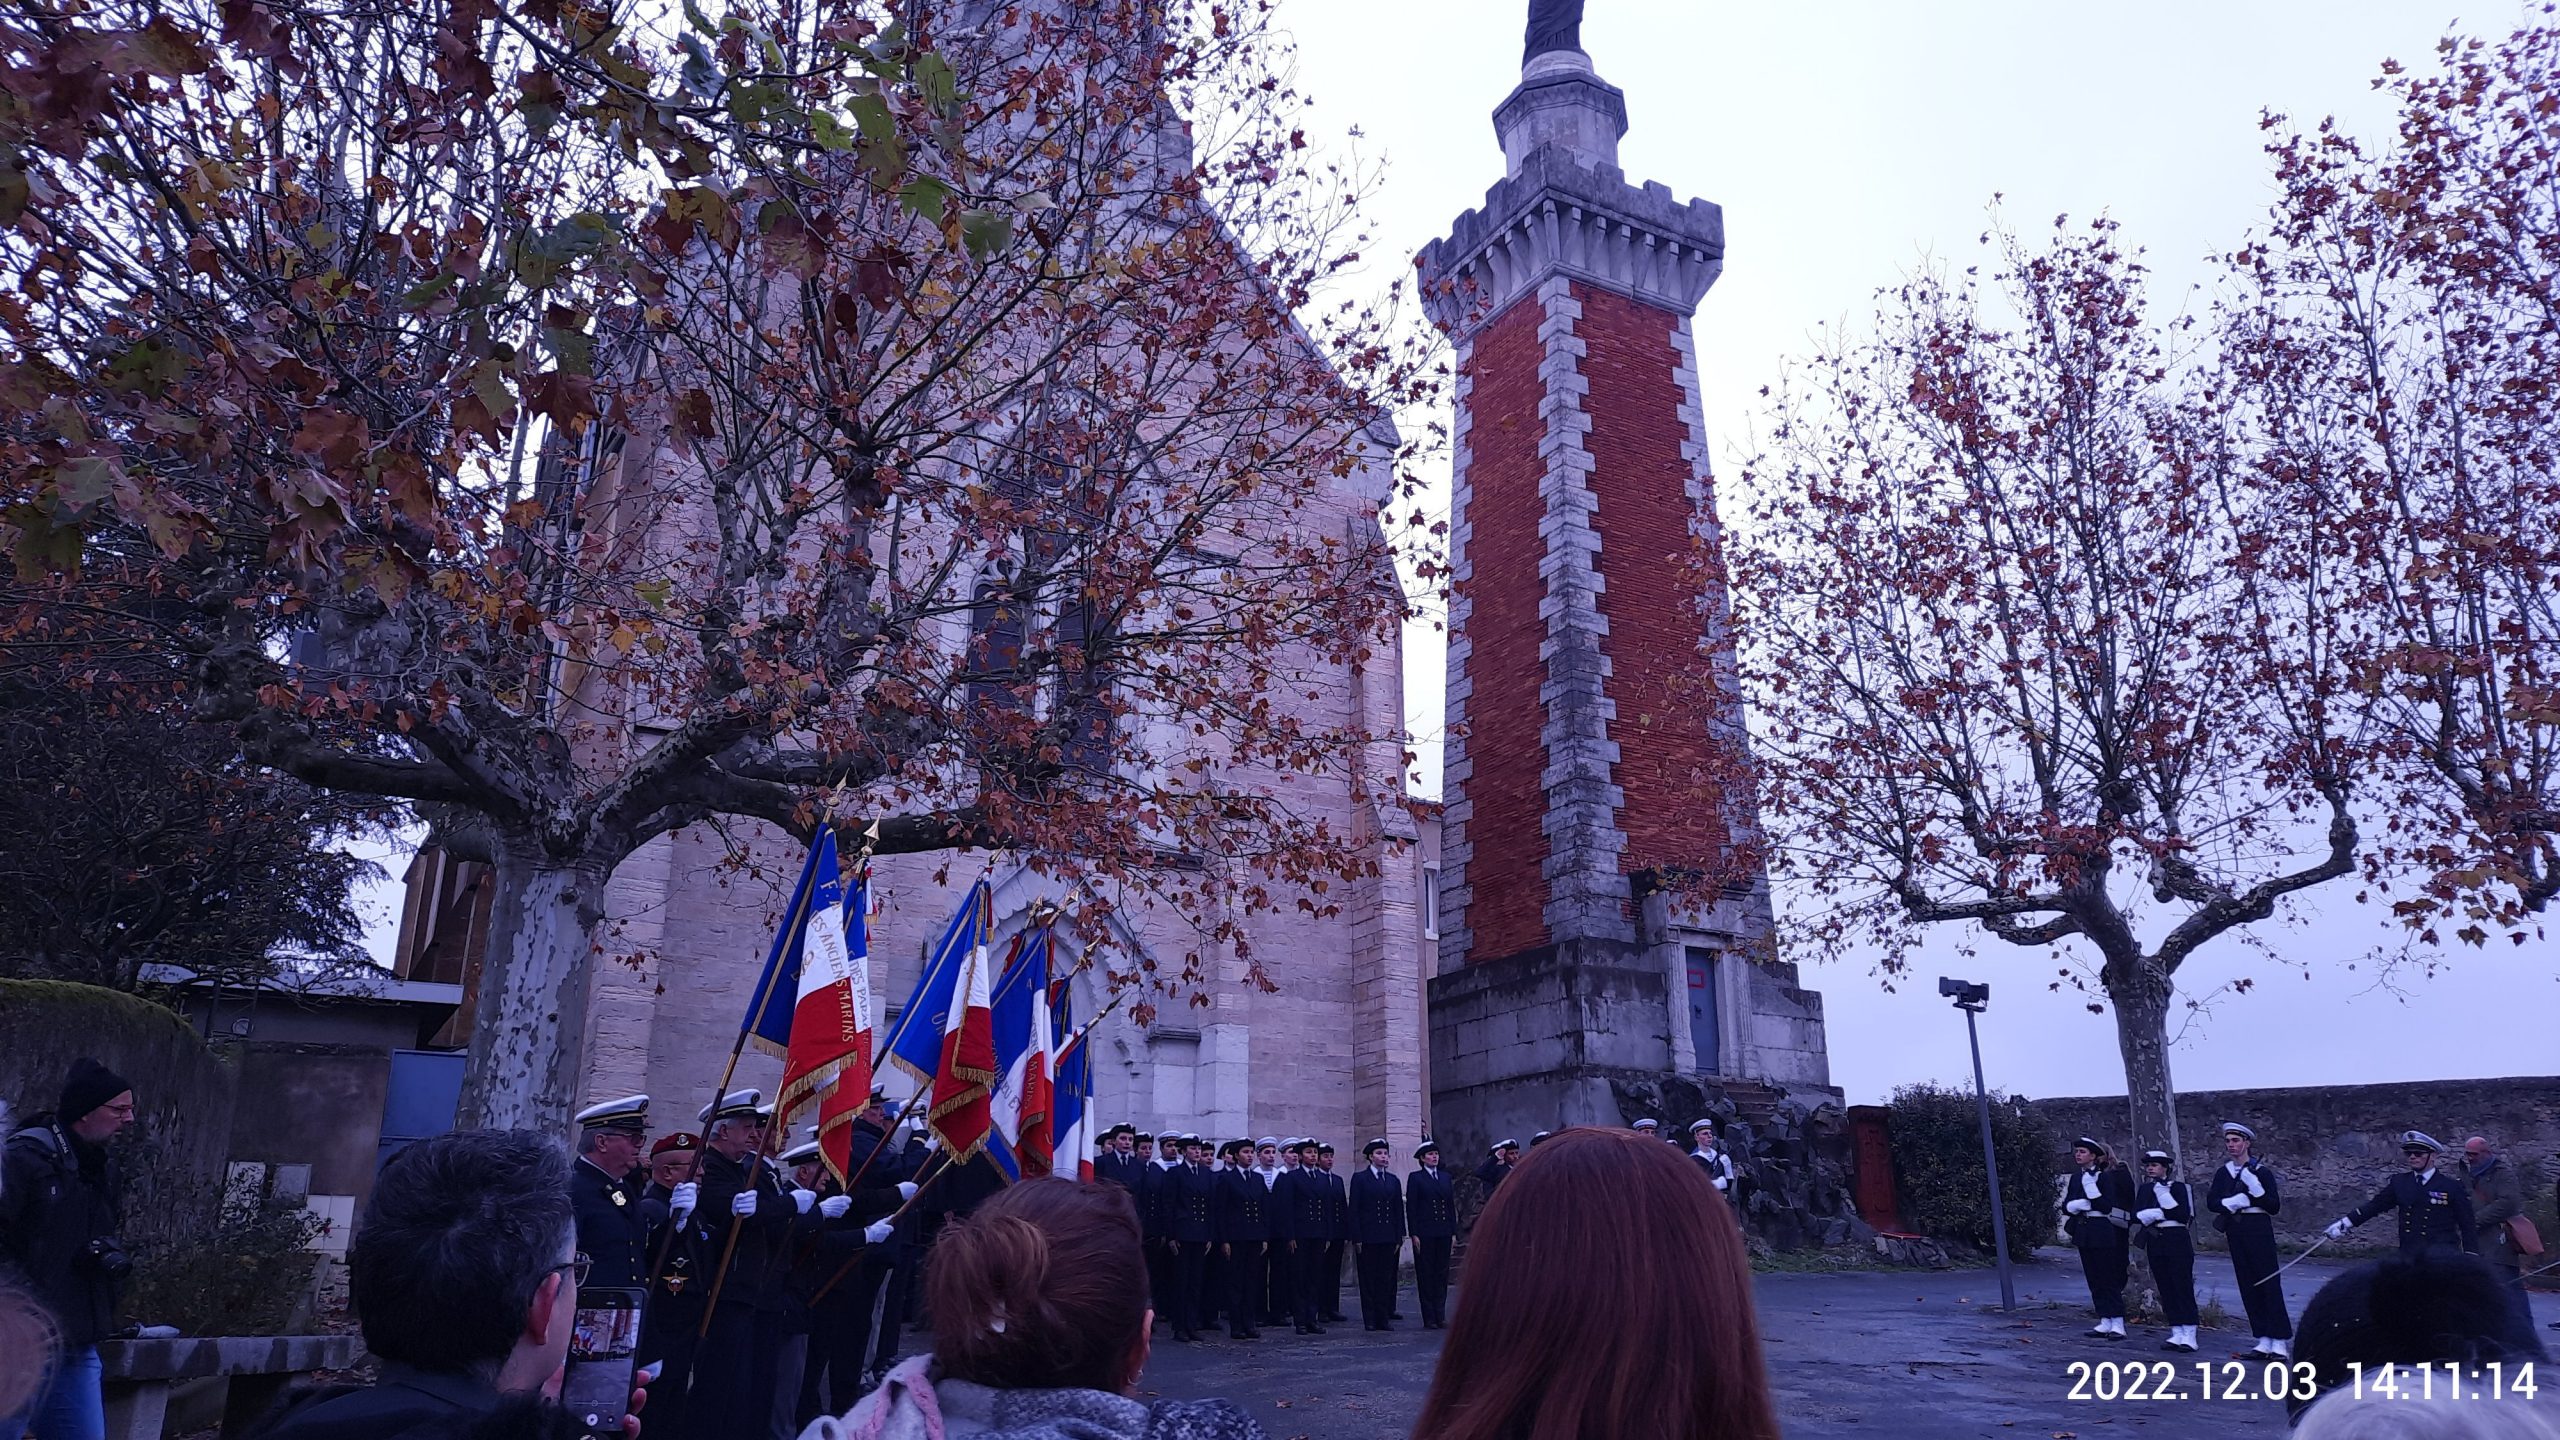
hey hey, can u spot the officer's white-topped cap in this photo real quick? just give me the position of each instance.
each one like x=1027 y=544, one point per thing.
x=736 y=1102
x=2420 y=1140
x=801 y=1153
x=2160 y=1156
x=2090 y=1143
x=1501 y=1145
x=2234 y=1127
x=1378 y=1144
x=1267 y=1141
x=1707 y=1125
x=1428 y=1146
x=631 y=1113
x=1648 y=1123
x=1173 y=1135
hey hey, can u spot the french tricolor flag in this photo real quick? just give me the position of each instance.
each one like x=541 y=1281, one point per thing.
x=964 y=1079
x=1026 y=1042
x=813 y=1004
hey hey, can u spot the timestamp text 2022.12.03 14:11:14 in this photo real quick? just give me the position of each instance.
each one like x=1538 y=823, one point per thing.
x=2111 y=1380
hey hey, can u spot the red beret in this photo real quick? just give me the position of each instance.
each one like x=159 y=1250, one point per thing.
x=680 y=1140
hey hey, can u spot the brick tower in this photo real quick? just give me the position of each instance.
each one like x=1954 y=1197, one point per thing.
x=1570 y=989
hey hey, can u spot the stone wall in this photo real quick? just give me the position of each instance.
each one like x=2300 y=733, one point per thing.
x=2333 y=1144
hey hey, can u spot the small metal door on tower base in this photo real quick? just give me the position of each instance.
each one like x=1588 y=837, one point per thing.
x=1704 y=1035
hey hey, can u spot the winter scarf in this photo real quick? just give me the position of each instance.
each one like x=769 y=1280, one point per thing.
x=916 y=1403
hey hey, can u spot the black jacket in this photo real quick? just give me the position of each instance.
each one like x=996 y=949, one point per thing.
x=1121 y=1170
x=1377 y=1208
x=684 y=1274
x=2110 y=1216
x=411 y=1402
x=1191 y=1204
x=611 y=1231
x=1247 y=1210
x=2259 y=1210
x=60 y=1204
x=758 y=1264
x=1431 y=1205
x=2433 y=1211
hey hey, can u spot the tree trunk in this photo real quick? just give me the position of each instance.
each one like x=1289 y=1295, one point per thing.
x=2142 y=992
x=528 y=1035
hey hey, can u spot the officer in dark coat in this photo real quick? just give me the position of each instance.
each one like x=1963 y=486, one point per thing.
x=1191 y=1227
x=2244 y=1198
x=2097 y=1203
x=1431 y=1218
x=735 y=1366
x=1377 y=1229
x=2434 y=1205
x=681 y=1270
x=1246 y=1227
x=1497 y=1164
x=2166 y=1210
x=611 y=1233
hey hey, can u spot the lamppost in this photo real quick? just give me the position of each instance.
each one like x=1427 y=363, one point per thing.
x=1971 y=998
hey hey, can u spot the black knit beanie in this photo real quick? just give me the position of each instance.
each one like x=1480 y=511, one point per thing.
x=90 y=1086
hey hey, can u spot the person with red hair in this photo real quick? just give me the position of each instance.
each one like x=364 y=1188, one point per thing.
x=1559 y=1329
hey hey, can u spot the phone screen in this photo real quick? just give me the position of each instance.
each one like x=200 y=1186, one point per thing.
x=603 y=1343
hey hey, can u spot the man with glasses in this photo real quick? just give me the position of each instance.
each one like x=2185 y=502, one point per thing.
x=60 y=1207
x=464 y=1271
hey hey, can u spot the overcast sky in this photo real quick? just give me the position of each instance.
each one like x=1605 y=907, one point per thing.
x=1848 y=142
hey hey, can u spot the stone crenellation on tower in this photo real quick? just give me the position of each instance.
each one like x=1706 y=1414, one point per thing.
x=1572 y=986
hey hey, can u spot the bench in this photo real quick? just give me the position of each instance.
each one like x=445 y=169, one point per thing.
x=137 y=1375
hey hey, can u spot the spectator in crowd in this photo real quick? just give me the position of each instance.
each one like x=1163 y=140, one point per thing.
x=60 y=1207
x=1039 y=1300
x=2497 y=1196
x=464 y=1271
x=1561 y=1326
x=2423 y=1307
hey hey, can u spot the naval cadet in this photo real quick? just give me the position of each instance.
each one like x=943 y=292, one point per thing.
x=1245 y=1232
x=1305 y=1196
x=677 y=1269
x=2098 y=1206
x=611 y=1233
x=1338 y=1202
x=2434 y=1205
x=2244 y=1198
x=2166 y=1211
x=1191 y=1225
x=1377 y=1229
x=1431 y=1218
x=1497 y=1164
x=1711 y=1157
x=1649 y=1128
x=1119 y=1161
x=1155 y=1200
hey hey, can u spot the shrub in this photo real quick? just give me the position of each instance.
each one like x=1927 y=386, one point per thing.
x=1937 y=1157
x=247 y=1276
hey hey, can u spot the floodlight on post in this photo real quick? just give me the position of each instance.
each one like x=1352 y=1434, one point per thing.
x=1971 y=998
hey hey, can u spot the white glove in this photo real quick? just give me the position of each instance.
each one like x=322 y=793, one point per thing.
x=681 y=1200
x=878 y=1232
x=803 y=1199
x=834 y=1206
x=2078 y=1207
x=906 y=1189
x=2338 y=1227
x=744 y=1204
x=2150 y=1217
x=1720 y=1182
x=2250 y=1182
x=2235 y=1203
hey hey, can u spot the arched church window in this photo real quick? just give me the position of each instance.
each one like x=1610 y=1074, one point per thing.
x=997 y=631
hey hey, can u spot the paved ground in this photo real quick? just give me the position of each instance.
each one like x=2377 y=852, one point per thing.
x=1905 y=1354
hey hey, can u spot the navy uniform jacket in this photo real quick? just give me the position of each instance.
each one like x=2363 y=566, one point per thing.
x=685 y=1278
x=1491 y=1173
x=2224 y=1185
x=2433 y=1211
x=1247 y=1209
x=1377 y=1208
x=1431 y=1205
x=1121 y=1170
x=757 y=1267
x=2175 y=1202
x=2111 y=1210
x=611 y=1231
x=1191 y=1204
x=1155 y=1198
x=1306 y=1205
